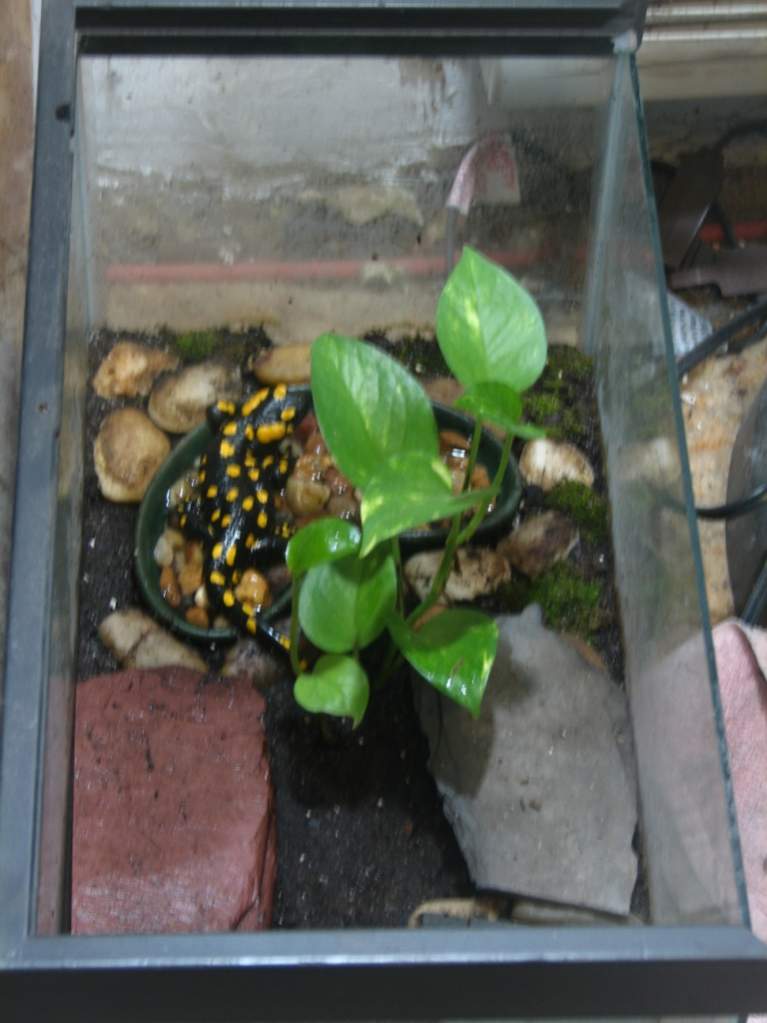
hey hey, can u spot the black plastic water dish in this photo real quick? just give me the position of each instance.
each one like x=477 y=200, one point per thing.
x=153 y=513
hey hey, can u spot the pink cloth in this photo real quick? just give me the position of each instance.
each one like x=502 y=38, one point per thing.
x=741 y=660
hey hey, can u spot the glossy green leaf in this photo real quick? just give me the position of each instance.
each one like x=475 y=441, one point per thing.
x=368 y=407
x=497 y=403
x=327 y=539
x=488 y=325
x=453 y=651
x=338 y=685
x=344 y=604
x=410 y=491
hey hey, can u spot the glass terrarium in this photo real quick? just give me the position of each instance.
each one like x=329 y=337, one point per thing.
x=264 y=174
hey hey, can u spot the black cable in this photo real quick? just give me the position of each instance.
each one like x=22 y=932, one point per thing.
x=734 y=509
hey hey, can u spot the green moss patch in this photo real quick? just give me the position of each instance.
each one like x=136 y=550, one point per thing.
x=556 y=401
x=196 y=345
x=585 y=507
x=569 y=602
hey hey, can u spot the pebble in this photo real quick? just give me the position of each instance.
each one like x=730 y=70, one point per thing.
x=137 y=641
x=539 y=543
x=130 y=369
x=283 y=364
x=178 y=401
x=545 y=463
x=127 y=452
x=477 y=572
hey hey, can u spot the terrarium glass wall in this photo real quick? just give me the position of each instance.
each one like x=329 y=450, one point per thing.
x=303 y=195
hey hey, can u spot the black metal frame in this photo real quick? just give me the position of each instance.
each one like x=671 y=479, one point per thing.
x=505 y=972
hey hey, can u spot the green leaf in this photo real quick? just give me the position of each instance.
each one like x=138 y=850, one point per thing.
x=338 y=685
x=327 y=539
x=453 y=651
x=488 y=326
x=368 y=407
x=344 y=604
x=408 y=492
x=497 y=403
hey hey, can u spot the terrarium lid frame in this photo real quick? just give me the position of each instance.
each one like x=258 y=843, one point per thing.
x=493 y=972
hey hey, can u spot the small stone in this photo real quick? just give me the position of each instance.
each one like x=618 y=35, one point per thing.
x=136 y=640
x=201 y=598
x=545 y=463
x=163 y=551
x=283 y=364
x=305 y=496
x=190 y=573
x=539 y=543
x=198 y=617
x=249 y=659
x=169 y=587
x=477 y=572
x=127 y=452
x=130 y=369
x=179 y=400
x=253 y=589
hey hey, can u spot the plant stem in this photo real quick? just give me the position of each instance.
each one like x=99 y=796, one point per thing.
x=481 y=512
x=294 y=659
x=451 y=544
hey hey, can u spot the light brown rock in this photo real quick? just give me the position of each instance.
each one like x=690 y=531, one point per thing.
x=130 y=369
x=178 y=400
x=539 y=543
x=128 y=451
x=545 y=463
x=477 y=571
x=136 y=640
x=284 y=364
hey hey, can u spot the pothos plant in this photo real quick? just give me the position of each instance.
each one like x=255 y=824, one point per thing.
x=378 y=424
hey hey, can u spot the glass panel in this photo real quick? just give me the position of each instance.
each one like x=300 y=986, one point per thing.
x=687 y=813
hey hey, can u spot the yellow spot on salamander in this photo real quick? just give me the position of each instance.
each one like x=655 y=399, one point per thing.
x=262 y=496
x=182 y=520
x=287 y=414
x=248 y=609
x=252 y=626
x=269 y=432
x=285 y=642
x=249 y=432
x=253 y=475
x=285 y=530
x=201 y=476
x=226 y=521
x=212 y=491
x=226 y=450
x=216 y=515
x=230 y=429
x=231 y=555
x=218 y=550
x=217 y=579
x=233 y=470
x=262 y=520
x=283 y=466
x=280 y=391
x=250 y=541
x=226 y=406
x=249 y=460
x=232 y=494
x=269 y=460
x=228 y=598
x=247 y=504
x=236 y=576
x=252 y=403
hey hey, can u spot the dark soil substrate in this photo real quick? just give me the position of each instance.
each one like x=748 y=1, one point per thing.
x=362 y=836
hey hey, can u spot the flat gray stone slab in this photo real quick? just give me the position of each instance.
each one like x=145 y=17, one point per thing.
x=540 y=790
